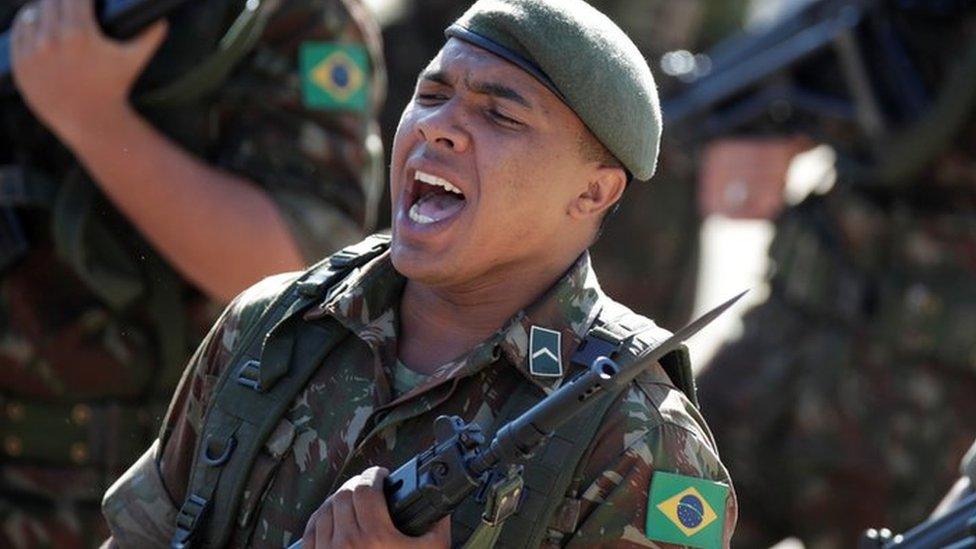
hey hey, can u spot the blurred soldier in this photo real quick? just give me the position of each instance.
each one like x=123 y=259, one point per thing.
x=245 y=150
x=849 y=399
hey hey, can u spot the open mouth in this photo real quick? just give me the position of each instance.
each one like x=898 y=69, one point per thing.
x=434 y=199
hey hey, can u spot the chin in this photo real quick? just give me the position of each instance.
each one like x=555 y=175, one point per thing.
x=434 y=269
x=413 y=263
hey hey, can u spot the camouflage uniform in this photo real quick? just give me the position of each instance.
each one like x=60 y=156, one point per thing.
x=94 y=326
x=848 y=401
x=345 y=419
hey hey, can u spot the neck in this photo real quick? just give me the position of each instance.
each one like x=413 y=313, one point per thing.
x=441 y=323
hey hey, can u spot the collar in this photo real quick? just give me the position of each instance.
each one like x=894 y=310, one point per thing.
x=367 y=301
x=568 y=308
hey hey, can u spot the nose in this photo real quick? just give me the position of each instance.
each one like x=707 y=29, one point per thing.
x=439 y=126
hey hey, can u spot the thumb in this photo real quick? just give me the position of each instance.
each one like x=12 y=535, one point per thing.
x=146 y=44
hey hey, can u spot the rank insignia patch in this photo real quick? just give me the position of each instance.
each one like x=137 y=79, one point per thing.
x=686 y=510
x=544 y=352
x=334 y=76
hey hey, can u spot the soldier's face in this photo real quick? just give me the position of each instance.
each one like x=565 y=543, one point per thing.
x=486 y=166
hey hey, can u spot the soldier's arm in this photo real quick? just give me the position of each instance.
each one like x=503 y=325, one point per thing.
x=630 y=448
x=220 y=231
x=218 y=225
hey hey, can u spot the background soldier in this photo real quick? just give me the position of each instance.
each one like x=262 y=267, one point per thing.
x=848 y=401
x=243 y=152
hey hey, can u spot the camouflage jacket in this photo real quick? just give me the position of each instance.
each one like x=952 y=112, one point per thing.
x=345 y=420
x=85 y=365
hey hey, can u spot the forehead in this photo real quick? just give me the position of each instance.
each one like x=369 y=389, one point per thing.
x=462 y=62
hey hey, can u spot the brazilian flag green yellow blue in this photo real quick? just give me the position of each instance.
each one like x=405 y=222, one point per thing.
x=686 y=510
x=334 y=76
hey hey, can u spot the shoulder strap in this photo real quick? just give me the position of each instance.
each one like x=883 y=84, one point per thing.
x=270 y=365
x=554 y=478
x=676 y=364
x=214 y=70
x=554 y=473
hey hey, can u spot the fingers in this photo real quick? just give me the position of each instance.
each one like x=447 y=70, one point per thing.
x=24 y=25
x=370 y=502
x=318 y=530
x=78 y=15
x=344 y=517
x=48 y=24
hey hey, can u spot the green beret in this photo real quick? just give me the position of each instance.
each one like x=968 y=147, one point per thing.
x=585 y=59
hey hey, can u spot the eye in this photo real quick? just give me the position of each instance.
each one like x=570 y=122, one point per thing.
x=500 y=118
x=430 y=97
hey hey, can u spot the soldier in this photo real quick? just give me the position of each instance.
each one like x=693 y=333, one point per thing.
x=522 y=134
x=848 y=400
x=245 y=150
x=663 y=217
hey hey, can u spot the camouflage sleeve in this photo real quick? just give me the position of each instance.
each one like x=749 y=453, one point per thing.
x=140 y=508
x=638 y=439
x=311 y=144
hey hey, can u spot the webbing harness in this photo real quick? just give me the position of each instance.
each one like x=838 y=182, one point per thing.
x=551 y=504
x=265 y=374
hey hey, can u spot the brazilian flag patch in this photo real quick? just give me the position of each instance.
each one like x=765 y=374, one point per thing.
x=686 y=510
x=334 y=76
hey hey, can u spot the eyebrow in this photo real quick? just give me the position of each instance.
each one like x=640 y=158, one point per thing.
x=494 y=89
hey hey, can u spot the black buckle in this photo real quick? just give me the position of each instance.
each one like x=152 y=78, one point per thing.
x=250 y=375
x=502 y=494
x=358 y=254
x=216 y=461
x=343 y=258
x=593 y=347
x=188 y=520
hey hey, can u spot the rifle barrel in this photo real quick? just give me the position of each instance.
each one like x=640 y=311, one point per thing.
x=955 y=526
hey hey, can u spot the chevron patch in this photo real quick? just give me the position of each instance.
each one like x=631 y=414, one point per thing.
x=545 y=358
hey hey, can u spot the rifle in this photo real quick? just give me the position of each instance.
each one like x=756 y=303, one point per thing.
x=837 y=70
x=954 y=530
x=435 y=482
x=119 y=19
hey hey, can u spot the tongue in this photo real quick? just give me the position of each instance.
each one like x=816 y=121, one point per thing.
x=440 y=206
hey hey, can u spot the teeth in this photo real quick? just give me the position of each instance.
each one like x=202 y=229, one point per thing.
x=418 y=217
x=437 y=181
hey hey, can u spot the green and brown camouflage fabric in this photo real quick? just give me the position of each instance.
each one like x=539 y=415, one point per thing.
x=83 y=386
x=346 y=419
x=849 y=400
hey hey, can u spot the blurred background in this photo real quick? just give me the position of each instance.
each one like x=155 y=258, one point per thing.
x=819 y=153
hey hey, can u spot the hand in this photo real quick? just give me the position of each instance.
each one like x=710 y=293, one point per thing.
x=68 y=72
x=744 y=178
x=357 y=516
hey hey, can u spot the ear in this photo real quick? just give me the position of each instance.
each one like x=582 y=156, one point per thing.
x=603 y=191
